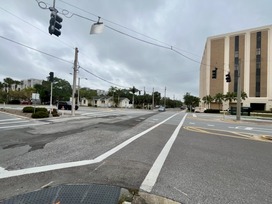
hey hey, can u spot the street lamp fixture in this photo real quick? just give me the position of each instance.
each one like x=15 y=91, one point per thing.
x=97 y=27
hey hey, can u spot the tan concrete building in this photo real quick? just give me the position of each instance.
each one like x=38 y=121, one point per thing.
x=249 y=51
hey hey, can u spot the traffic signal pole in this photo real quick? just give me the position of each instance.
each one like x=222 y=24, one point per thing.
x=74 y=82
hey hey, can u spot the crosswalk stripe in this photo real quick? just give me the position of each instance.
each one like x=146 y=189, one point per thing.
x=9 y=122
x=10 y=119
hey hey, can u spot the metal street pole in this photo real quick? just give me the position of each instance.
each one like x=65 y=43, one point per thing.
x=74 y=82
x=51 y=96
x=238 y=108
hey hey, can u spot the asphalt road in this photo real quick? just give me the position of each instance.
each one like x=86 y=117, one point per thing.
x=186 y=158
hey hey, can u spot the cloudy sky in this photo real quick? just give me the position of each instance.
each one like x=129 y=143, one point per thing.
x=146 y=43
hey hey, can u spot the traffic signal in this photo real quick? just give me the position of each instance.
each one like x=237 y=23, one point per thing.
x=51 y=76
x=133 y=90
x=228 y=79
x=55 y=24
x=214 y=73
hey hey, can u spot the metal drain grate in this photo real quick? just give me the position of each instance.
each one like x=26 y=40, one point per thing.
x=70 y=194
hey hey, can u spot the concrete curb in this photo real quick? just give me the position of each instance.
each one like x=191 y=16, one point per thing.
x=136 y=197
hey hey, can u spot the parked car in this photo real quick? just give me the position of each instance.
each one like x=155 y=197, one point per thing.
x=66 y=105
x=161 y=109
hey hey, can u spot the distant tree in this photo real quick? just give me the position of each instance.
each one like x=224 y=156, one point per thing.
x=87 y=93
x=219 y=98
x=16 y=82
x=62 y=90
x=191 y=101
x=8 y=82
x=230 y=96
x=26 y=93
x=2 y=85
x=207 y=100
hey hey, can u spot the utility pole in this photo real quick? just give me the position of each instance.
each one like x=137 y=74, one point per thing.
x=74 y=82
x=238 y=108
x=153 y=99
x=164 y=104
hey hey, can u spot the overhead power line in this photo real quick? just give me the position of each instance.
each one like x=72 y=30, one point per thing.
x=35 y=49
x=10 y=13
x=26 y=46
x=168 y=46
x=102 y=78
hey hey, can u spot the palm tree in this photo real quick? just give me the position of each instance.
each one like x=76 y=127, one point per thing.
x=218 y=98
x=243 y=95
x=207 y=100
x=8 y=81
x=16 y=84
x=230 y=96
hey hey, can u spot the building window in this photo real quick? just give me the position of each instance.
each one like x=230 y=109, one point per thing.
x=236 y=43
x=258 y=64
x=259 y=39
x=236 y=63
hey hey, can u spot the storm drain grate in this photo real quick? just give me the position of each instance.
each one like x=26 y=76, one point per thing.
x=70 y=194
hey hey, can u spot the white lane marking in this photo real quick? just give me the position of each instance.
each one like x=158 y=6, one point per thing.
x=7 y=174
x=210 y=125
x=194 y=115
x=191 y=123
x=153 y=173
x=248 y=128
x=2 y=170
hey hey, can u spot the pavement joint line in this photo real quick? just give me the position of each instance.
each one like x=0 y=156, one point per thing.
x=31 y=170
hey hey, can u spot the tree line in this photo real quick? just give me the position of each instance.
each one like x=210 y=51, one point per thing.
x=62 y=91
x=219 y=98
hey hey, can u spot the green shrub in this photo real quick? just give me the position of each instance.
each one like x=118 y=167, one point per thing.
x=212 y=111
x=28 y=109
x=41 y=109
x=40 y=114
